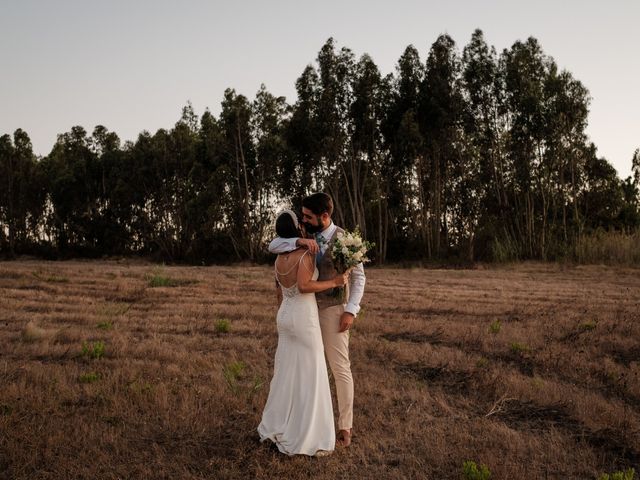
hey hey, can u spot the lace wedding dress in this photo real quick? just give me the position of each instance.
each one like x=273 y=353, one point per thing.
x=298 y=415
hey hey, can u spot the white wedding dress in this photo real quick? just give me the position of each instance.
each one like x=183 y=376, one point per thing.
x=298 y=415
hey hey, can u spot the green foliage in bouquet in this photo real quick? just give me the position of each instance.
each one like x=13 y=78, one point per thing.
x=349 y=250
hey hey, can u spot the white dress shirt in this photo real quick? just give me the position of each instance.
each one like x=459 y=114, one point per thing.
x=357 y=279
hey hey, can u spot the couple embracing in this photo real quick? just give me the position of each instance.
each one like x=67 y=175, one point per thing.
x=313 y=321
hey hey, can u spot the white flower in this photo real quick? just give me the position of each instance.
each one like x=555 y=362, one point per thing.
x=358 y=256
x=345 y=251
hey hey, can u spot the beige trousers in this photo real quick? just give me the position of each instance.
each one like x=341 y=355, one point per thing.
x=336 y=349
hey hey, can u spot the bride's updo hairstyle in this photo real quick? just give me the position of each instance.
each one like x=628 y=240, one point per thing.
x=287 y=224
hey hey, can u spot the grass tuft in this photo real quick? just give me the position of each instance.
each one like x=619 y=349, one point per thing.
x=89 y=377
x=518 y=348
x=105 y=325
x=471 y=471
x=93 y=350
x=494 y=327
x=223 y=326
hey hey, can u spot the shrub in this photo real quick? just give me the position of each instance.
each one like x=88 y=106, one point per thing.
x=494 y=327
x=471 y=471
x=612 y=248
x=160 y=281
x=233 y=373
x=517 y=347
x=625 y=475
x=586 y=326
x=89 y=377
x=504 y=250
x=223 y=326
x=105 y=325
x=95 y=350
x=482 y=362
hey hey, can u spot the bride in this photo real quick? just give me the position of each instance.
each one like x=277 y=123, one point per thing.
x=298 y=415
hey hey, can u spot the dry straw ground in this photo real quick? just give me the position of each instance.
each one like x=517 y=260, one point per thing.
x=130 y=370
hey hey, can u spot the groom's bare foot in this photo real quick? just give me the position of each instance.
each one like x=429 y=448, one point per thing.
x=344 y=438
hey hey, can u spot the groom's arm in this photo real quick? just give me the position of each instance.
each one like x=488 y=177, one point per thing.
x=283 y=245
x=357 y=281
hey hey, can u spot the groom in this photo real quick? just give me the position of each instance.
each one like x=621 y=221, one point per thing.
x=335 y=318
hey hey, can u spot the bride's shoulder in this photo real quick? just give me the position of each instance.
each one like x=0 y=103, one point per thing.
x=293 y=254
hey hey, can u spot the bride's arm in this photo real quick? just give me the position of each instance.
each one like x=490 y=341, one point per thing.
x=305 y=272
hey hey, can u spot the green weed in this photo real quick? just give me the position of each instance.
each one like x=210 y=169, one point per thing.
x=89 y=377
x=471 y=471
x=623 y=475
x=518 y=348
x=94 y=351
x=494 y=327
x=223 y=326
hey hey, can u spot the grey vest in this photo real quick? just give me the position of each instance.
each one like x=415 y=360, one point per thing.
x=326 y=269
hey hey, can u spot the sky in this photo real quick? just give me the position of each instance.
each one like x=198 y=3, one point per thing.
x=132 y=65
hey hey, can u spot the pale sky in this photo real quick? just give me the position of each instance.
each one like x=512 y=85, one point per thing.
x=132 y=65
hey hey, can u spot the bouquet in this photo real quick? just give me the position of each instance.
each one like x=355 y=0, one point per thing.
x=349 y=250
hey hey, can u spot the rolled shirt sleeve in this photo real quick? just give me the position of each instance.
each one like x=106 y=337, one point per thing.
x=282 y=245
x=357 y=279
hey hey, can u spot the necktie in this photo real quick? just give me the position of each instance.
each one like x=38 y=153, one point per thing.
x=321 y=241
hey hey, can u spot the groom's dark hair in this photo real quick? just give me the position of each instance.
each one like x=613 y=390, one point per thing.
x=319 y=203
x=285 y=226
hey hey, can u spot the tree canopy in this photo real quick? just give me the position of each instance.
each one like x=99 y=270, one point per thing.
x=469 y=154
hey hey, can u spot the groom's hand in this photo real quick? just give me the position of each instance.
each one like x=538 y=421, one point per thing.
x=308 y=243
x=346 y=320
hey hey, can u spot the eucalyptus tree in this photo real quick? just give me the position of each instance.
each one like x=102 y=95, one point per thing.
x=404 y=143
x=71 y=170
x=268 y=133
x=566 y=115
x=206 y=208
x=22 y=193
x=484 y=122
x=238 y=159
x=635 y=167
x=299 y=167
x=334 y=99
x=601 y=197
x=362 y=167
x=525 y=72
x=440 y=118
x=112 y=217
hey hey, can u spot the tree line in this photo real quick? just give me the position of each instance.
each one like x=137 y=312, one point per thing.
x=464 y=155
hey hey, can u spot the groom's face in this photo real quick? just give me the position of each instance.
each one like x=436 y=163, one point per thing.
x=314 y=223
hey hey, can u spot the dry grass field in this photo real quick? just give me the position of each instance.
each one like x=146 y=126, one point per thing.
x=132 y=370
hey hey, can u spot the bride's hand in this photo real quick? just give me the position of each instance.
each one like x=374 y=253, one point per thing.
x=342 y=278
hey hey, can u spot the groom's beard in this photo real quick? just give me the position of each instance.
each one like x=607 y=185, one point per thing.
x=314 y=228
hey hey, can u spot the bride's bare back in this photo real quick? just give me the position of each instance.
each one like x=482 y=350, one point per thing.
x=297 y=267
x=287 y=265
